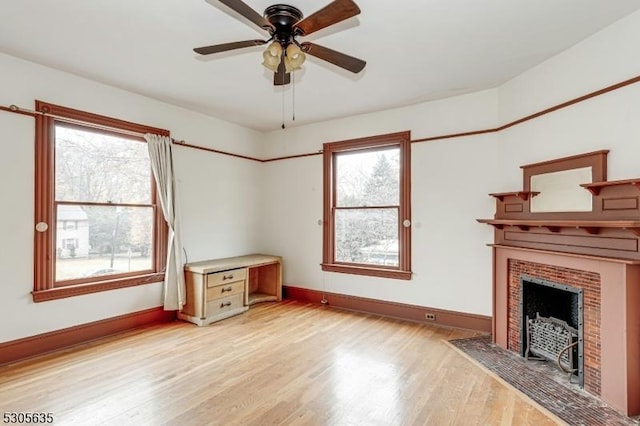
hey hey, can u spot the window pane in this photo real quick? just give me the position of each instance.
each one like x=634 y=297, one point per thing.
x=369 y=178
x=103 y=240
x=367 y=236
x=95 y=167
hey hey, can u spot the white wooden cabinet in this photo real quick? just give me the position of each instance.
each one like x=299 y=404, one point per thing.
x=220 y=288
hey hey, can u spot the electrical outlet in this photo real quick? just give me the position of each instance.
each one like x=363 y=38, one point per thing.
x=430 y=317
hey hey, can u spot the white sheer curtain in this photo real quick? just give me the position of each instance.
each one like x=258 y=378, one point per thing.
x=164 y=174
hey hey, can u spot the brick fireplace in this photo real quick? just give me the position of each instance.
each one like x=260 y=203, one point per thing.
x=588 y=282
x=611 y=292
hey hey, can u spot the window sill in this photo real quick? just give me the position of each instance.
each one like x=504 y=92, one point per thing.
x=372 y=272
x=78 y=290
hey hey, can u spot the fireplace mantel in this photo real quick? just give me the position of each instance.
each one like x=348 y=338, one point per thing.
x=610 y=229
x=597 y=258
x=593 y=227
x=596 y=249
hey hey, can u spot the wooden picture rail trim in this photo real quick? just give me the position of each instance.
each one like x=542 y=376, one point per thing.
x=15 y=109
x=289 y=157
x=216 y=151
x=18 y=110
x=401 y=311
x=573 y=101
x=28 y=347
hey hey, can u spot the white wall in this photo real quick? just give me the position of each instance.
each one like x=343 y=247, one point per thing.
x=451 y=263
x=450 y=180
x=609 y=121
x=219 y=195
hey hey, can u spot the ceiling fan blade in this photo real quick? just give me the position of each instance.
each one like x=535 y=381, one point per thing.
x=244 y=10
x=347 y=62
x=334 y=12
x=217 y=48
x=281 y=77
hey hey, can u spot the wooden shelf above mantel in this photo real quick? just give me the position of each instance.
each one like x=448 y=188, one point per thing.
x=595 y=187
x=590 y=226
x=523 y=195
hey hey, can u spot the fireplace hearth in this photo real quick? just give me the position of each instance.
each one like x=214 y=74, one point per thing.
x=543 y=384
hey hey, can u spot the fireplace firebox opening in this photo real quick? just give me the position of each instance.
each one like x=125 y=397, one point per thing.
x=551 y=319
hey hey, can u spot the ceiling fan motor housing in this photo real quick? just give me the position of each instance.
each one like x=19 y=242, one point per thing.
x=283 y=17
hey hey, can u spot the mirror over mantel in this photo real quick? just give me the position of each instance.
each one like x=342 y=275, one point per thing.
x=561 y=191
x=557 y=183
x=567 y=205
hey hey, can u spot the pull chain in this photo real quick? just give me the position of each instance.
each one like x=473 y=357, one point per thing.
x=293 y=96
x=282 y=85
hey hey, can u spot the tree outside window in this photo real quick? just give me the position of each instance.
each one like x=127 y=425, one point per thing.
x=105 y=180
x=367 y=206
x=94 y=185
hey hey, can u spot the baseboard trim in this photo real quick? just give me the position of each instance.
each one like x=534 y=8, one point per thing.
x=391 y=309
x=28 y=347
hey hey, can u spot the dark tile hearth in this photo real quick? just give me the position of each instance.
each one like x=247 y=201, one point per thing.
x=543 y=384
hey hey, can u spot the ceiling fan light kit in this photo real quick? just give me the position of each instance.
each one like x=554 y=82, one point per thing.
x=284 y=23
x=294 y=58
x=272 y=56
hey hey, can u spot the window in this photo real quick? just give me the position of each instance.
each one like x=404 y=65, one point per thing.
x=94 y=184
x=367 y=206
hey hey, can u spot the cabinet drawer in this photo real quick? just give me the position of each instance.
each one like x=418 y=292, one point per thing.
x=225 y=290
x=224 y=304
x=226 y=277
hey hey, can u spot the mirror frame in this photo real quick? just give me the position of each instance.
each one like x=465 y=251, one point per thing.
x=597 y=160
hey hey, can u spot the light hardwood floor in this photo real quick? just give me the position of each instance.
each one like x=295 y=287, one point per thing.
x=278 y=363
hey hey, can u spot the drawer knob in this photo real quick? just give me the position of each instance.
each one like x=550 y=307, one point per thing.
x=227 y=277
x=225 y=289
x=225 y=304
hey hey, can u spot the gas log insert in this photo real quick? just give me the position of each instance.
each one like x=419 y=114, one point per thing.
x=552 y=325
x=553 y=340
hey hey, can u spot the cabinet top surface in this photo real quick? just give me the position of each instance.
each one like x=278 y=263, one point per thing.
x=217 y=265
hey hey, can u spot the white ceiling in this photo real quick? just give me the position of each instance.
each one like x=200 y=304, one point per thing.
x=416 y=50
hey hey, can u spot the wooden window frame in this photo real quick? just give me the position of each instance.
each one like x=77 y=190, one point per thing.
x=330 y=152
x=44 y=287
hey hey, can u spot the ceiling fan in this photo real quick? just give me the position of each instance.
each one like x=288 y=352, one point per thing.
x=284 y=23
